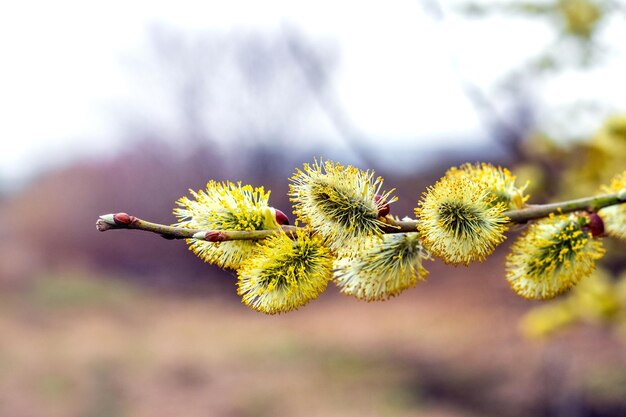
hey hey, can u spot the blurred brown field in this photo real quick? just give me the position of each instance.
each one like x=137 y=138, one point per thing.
x=75 y=344
x=128 y=324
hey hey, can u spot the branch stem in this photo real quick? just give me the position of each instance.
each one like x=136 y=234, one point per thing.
x=533 y=212
x=591 y=204
x=125 y=221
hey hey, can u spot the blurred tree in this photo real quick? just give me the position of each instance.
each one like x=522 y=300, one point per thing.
x=568 y=169
x=228 y=92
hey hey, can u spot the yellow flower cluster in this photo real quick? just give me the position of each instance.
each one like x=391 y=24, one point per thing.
x=285 y=273
x=386 y=268
x=339 y=202
x=580 y=16
x=225 y=206
x=460 y=221
x=552 y=256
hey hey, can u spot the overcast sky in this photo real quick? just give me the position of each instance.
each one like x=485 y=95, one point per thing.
x=63 y=65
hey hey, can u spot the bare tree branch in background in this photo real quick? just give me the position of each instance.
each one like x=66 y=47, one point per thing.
x=317 y=78
x=239 y=92
x=187 y=63
x=509 y=134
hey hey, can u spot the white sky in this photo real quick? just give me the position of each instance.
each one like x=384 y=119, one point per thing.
x=61 y=65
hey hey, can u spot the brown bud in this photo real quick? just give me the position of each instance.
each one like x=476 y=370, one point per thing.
x=383 y=205
x=215 y=236
x=595 y=225
x=281 y=218
x=122 y=218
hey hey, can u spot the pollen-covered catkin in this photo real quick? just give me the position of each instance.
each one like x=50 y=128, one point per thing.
x=340 y=203
x=388 y=266
x=284 y=273
x=225 y=206
x=552 y=256
x=459 y=221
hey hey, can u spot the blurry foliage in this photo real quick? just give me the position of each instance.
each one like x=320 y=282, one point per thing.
x=580 y=46
x=593 y=163
x=577 y=18
x=558 y=169
x=571 y=171
x=576 y=23
x=598 y=299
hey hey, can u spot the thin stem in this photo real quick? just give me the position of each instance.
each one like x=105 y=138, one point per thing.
x=533 y=212
x=125 y=221
x=591 y=204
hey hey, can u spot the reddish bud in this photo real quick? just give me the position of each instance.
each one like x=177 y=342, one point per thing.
x=383 y=205
x=595 y=225
x=122 y=218
x=215 y=236
x=281 y=218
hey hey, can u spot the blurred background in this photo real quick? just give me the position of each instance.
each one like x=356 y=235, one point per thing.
x=124 y=106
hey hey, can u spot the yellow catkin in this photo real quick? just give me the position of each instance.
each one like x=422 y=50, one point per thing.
x=459 y=221
x=552 y=256
x=284 y=274
x=338 y=201
x=388 y=266
x=225 y=206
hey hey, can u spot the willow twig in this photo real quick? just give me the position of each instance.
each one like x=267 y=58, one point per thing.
x=532 y=212
x=126 y=221
x=590 y=204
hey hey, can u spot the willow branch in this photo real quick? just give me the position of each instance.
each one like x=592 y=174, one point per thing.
x=591 y=204
x=532 y=212
x=125 y=221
